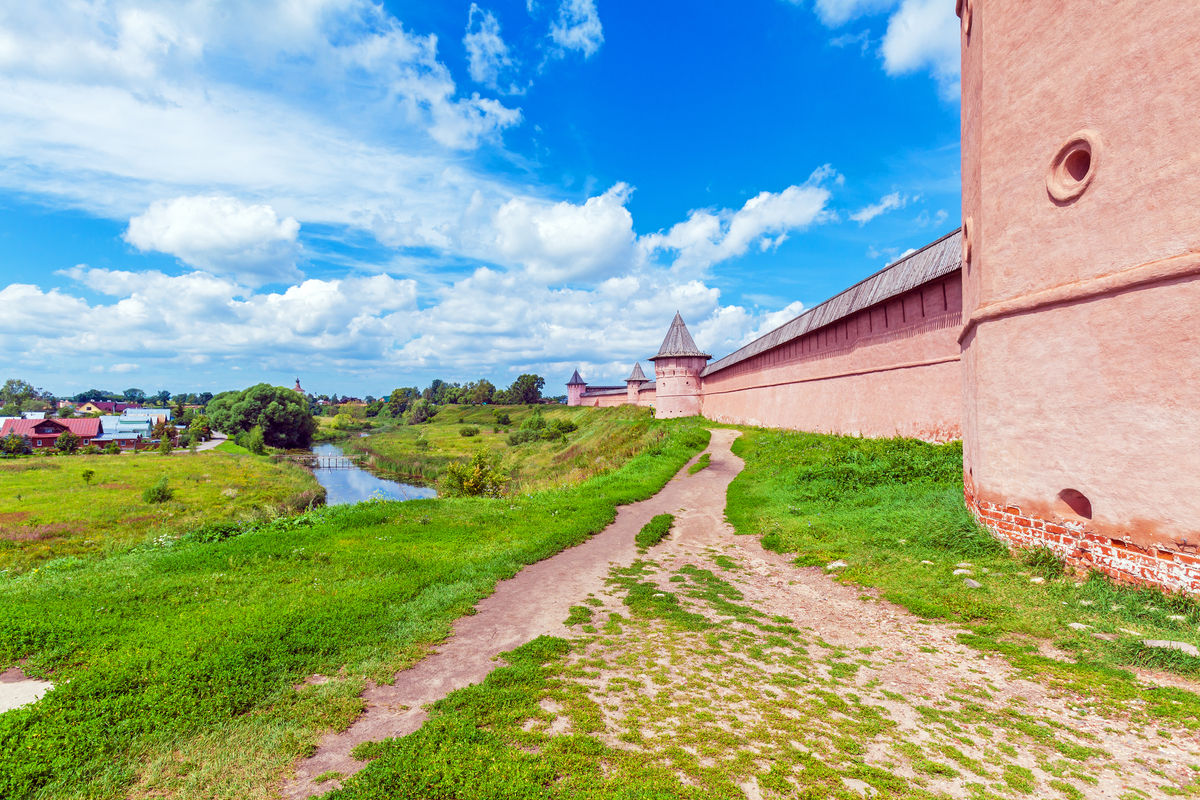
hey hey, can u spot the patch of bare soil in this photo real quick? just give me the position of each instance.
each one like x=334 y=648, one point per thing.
x=33 y=533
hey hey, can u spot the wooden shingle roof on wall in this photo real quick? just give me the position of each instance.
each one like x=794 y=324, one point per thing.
x=935 y=260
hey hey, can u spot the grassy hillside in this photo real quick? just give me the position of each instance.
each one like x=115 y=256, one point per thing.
x=180 y=667
x=605 y=438
x=49 y=510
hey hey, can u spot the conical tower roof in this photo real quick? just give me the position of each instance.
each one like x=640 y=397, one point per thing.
x=576 y=380
x=637 y=374
x=679 y=342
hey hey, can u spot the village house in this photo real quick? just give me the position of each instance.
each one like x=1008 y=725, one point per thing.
x=127 y=432
x=102 y=407
x=44 y=433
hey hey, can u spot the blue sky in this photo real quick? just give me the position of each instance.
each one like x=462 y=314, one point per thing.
x=199 y=196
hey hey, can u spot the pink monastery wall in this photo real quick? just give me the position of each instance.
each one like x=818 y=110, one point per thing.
x=889 y=370
x=604 y=400
x=1081 y=349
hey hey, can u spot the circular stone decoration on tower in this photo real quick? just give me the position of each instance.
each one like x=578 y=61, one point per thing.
x=1074 y=166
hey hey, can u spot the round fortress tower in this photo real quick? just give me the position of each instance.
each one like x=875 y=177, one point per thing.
x=1081 y=280
x=677 y=368
x=634 y=383
x=575 y=387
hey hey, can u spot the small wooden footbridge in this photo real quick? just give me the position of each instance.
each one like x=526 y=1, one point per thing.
x=315 y=461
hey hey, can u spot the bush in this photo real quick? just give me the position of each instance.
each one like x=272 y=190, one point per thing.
x=87 y=475
x=503 y=418
x=479 y=477
x=159 y=492
x=165 y=447
x=90 y=450
x=254 y=441
x=112 y=448
x=522 y=436
x=468 y=430
x=67 y=442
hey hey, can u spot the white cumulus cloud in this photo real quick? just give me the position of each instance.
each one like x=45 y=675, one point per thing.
x=707 y=237
x=221 y=235
x=568 y=241
x=577 y=27
x=924 y=35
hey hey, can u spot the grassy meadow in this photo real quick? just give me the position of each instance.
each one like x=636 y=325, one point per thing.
x=180 y=667
x=605 y=439
x=50 y=507
x=893 y=511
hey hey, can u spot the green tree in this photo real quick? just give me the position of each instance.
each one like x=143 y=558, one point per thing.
x=15 y=445
x=164 y=431
x=200 y=427
x=66 y=412
x=420 y=411
x=67 y=442
x=480 y=392
x=134 y=395
x=400 y=399
x=161 y=399
x=93 y=395
x=18 y=393
x=281 y=414
x=87 y=476
x=525 y=390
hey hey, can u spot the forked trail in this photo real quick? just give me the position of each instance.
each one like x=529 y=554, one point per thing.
x=532 y=603
x=941 y=718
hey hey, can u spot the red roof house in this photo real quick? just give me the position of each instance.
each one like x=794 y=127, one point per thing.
x=45 y=432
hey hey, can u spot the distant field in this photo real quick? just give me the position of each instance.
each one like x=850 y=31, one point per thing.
x=605 y=439
x=48 y=510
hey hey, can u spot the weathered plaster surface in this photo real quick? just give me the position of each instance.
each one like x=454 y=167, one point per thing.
x=1081 y=355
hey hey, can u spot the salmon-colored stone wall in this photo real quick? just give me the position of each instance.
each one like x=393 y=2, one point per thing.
x=1081 y=349
x=603 y=400
x=888 y=370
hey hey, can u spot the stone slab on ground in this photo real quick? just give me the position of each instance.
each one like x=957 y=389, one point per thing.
x=18 y=689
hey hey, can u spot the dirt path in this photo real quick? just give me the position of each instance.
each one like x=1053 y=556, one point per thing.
x=799 y=679
x=532 y=603
x=863 y=689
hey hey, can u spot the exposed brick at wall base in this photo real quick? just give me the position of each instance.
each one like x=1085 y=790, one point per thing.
x=1079 y=547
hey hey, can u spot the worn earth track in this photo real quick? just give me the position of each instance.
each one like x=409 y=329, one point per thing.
x=530 y=604
x=938 y=696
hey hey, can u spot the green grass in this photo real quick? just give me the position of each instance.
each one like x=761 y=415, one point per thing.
x=605 y=439
x=175 y=663
x=887 y=506
x=48 y=511
x=701 y=463
x=230 y=446
x=654 y=531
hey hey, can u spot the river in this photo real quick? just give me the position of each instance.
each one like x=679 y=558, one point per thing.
x=344 y=486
